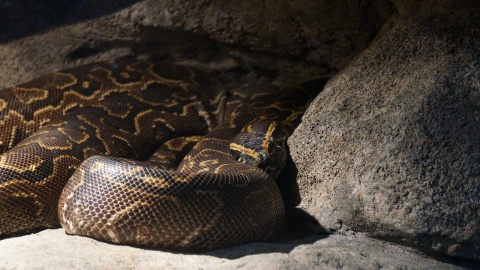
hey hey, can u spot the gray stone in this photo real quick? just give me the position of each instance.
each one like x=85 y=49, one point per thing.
x=53 y=249
x=392 y=147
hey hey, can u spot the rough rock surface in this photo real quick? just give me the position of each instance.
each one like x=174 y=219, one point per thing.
x=53 y=249
x=302 y=38
x=432 y=7
x=391 y=146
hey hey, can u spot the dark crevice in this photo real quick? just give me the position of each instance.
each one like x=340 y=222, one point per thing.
x=23 y=18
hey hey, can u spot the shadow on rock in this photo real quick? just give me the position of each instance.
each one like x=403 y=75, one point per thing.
x=300 y=229
x=23 y=18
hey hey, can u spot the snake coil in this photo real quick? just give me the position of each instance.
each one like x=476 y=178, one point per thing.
x=146 y=153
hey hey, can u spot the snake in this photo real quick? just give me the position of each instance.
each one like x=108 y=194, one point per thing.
x=147 y=153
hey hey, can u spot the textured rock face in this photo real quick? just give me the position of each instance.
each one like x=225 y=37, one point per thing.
x=305 y=38
x=412 y=7
x=313 y=30
x=391 y=146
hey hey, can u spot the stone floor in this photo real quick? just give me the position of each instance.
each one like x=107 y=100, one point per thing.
x=53 y=249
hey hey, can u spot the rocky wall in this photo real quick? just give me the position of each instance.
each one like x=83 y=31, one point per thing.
x=391 y=145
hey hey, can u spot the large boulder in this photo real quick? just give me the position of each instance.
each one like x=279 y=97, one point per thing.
x=392 y=147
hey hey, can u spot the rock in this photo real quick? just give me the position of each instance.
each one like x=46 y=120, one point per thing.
x=54 y=249
x=300 y=39
x=426 y=7
x=392 y=147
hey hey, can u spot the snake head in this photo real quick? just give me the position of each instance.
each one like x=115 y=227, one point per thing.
x=261 y=144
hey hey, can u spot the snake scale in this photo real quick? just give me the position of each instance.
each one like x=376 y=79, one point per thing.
x=146 y=153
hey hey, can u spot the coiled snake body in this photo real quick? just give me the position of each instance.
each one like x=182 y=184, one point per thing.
x=81 y=124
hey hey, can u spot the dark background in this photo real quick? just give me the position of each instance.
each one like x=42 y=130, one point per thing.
x=20 y=18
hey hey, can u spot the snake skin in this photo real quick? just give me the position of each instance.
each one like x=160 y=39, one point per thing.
x=76 y=145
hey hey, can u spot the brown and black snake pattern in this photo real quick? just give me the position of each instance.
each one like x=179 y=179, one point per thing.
x=81 y=124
